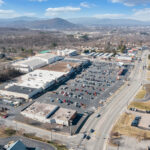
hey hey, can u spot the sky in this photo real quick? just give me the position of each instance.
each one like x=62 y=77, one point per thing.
x=114 y=9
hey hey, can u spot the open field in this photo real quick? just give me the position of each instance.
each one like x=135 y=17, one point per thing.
x=148 y=75
x=123 y=127
x=6 y=132
x=144 y=106
x=141 y=94
x=145 y=90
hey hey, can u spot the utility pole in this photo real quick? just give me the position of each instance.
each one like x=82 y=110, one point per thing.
x=51 y=135
x=118 y=146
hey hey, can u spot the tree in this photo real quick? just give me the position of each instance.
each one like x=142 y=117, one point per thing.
x=85 y=37
x=30 y=51
x=123 y=48
x=86 y=51
x=53 y=45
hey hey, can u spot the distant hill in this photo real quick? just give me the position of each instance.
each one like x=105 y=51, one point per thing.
x=91 y=21
x=56 y=23
x=35 y=23
x=62 y=24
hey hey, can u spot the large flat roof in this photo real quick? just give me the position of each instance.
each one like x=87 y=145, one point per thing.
x=46 y=56
x=20 y=89
x=31 y=62
x=40 y=109
x=64 y=114
x=61 y=66
x=39 y=78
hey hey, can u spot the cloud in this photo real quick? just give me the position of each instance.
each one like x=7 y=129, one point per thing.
x=7 y=13
x=85 y=4
x=142 y=14
x=1 y=2
x=132 y=2
x=12 y=14
x=59 y=10
x=109 y=16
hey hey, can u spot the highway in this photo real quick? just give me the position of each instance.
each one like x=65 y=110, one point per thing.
x=111 y=112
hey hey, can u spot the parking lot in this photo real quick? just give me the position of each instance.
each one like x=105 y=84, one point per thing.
x=92 y=85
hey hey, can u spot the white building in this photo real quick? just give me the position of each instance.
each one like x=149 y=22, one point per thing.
x=67 y=52
x=40 y=79
x=124 y=58
x=36 y=62
x=32 y=83
x=49 y=58
x=29 y=64
x=40 y=112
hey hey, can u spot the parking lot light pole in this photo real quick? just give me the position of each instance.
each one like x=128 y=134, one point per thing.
x=51 y=135
x=118 y=146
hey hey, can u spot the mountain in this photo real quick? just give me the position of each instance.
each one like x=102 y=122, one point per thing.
x=35 y=23
x=62 y=24
x=56 y=23
x=92 y=21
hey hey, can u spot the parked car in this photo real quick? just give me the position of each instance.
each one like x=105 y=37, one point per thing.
x=137 y=118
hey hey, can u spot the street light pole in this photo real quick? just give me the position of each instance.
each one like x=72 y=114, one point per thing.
x=51 y=135
x=118 y=146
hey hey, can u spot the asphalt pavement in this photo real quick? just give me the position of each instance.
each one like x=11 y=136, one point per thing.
x=111 y=112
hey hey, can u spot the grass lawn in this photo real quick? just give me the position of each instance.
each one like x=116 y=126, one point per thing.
x=144 y=106
x=141 y=94
x=6 y=132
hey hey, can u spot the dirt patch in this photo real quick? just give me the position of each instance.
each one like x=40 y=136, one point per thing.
x=123 y=127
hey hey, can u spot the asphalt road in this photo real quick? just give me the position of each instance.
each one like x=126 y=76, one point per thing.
x=112 y=111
